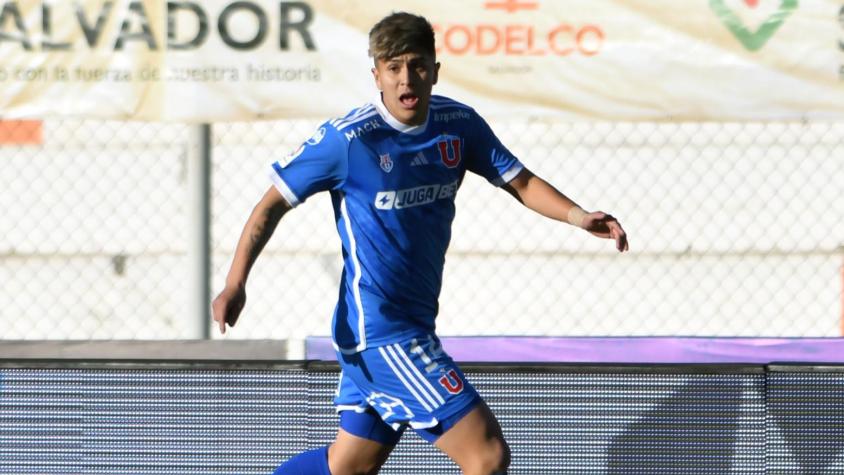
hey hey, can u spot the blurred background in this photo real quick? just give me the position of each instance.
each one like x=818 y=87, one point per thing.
x=735 y=230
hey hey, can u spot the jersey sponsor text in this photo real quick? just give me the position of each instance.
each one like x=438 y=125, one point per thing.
x=362 y=129
x=418 y=196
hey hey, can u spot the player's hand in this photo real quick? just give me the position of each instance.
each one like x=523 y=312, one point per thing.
x=227 y=306
x=605 y=226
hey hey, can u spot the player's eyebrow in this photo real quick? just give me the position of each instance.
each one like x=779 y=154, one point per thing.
x=413 y=57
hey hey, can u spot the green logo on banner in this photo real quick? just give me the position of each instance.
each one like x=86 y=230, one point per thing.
x=753 y=40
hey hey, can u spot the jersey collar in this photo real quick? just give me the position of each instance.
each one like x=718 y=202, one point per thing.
x=395 y=123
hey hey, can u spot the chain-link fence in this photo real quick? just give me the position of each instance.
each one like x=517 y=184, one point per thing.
x=736 y=229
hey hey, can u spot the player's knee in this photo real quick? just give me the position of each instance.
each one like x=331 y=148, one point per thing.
x=493 y=460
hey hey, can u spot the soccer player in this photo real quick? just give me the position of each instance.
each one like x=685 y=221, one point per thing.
x=392 y=168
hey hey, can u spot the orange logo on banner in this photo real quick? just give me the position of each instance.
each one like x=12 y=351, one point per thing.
x=518 y=39
x=20 y=132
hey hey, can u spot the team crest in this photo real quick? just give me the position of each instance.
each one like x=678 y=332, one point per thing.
x=450 y=152
x=452 y=382
x=386 y=163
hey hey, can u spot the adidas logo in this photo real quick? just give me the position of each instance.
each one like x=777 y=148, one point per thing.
x=419 y=160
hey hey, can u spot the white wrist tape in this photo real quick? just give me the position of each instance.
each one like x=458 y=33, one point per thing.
x=576 y=216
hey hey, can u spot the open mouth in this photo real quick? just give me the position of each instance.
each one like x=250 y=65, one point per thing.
x=409 y=100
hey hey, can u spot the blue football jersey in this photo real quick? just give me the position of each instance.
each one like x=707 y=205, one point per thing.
x=393 y=188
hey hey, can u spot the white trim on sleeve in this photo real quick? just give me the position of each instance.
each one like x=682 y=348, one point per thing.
x=285 y=190
x=508 y=176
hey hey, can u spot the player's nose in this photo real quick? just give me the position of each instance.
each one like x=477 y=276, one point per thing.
x=404 y=75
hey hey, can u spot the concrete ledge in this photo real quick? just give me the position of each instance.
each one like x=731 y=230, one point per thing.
x=169 y=350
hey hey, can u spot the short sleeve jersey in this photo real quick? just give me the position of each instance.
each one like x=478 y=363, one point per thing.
x=392 y=187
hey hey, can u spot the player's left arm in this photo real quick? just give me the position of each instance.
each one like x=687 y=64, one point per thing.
x=540 y=196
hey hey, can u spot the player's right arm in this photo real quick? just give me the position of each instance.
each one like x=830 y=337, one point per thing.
x=320 y=164
x=257 y=231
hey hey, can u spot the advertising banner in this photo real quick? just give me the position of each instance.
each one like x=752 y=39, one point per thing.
x=235 y=60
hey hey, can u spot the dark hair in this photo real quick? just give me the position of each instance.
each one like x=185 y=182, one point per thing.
x=401 y=33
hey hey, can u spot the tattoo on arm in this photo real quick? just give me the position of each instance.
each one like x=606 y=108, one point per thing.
x=257 y=234
x=263 y=228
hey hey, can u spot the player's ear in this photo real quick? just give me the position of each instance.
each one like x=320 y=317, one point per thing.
x=436 y=72
x=377 y=78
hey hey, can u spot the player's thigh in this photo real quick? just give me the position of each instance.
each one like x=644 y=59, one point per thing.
x=476 y=442
x=353 y=455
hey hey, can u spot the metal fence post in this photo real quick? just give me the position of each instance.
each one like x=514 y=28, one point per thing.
x=199 y=229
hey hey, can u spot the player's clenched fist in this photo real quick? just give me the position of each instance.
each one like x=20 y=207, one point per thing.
x=227 y=306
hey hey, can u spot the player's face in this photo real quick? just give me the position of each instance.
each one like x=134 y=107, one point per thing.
x=405 y=83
